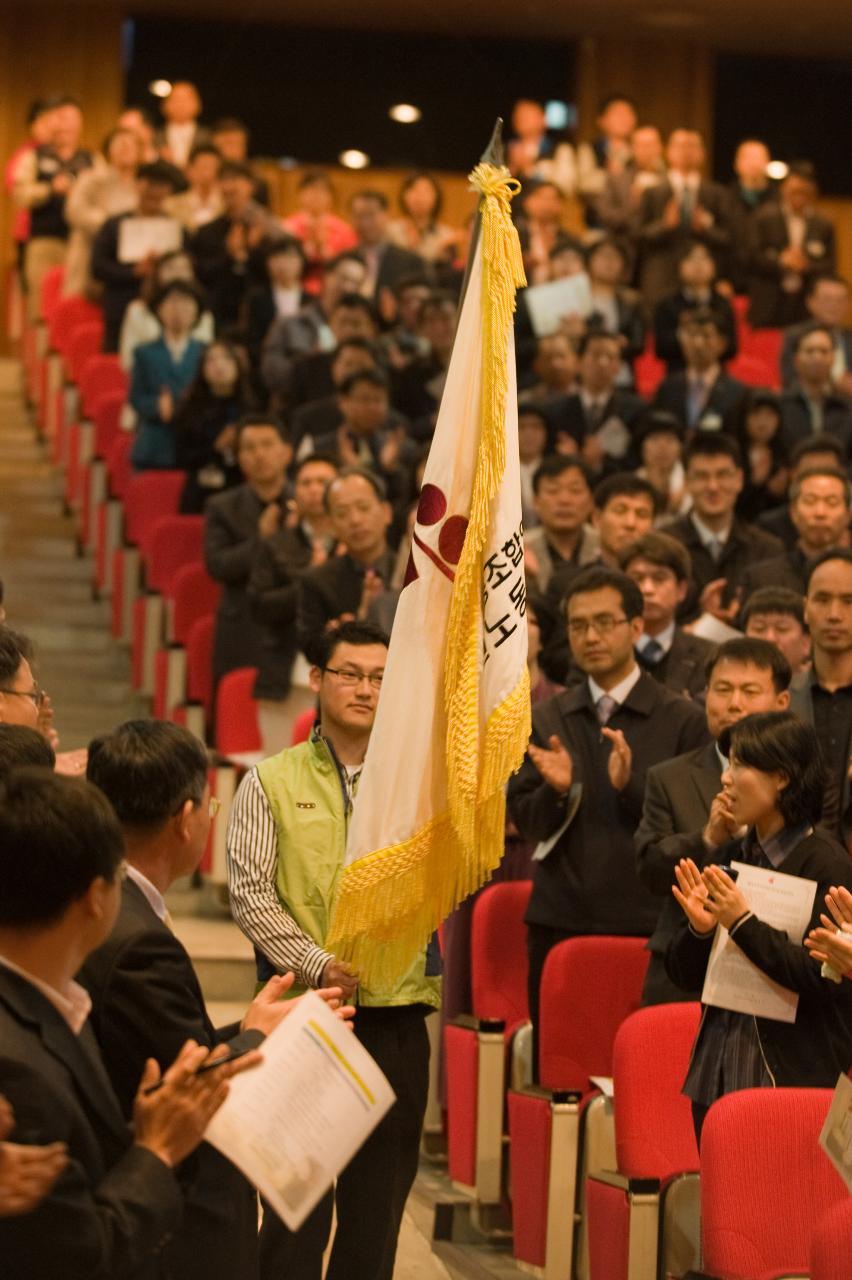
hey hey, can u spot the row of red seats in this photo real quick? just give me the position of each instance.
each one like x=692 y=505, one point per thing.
x=609 y=1189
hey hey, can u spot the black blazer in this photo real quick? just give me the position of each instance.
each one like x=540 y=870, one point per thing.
x=683 y=668
x=746 y=545
x=146 y=1003
x=725 y=397
x=395 y=263
x=115 y=1206
x=771 y=305
x=231 y=542
x=659 y=245
x=678 y=796
x=328 y=591
x=777 y=522
x=812 y=1051
x=273 y=595
x=120 y=283
x=587 y=883
x=567 y=414
x=801 y=702
x=667 y=314
x=796 y=422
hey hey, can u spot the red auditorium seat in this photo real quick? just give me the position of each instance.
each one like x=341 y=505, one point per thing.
x=36 y=342
x=476 y=1047
x=831 y=1248
x=755 y=371
x=199 y=676
x=50 y=292
x=150 y=496
x=109 y=516
x=765 y=1182
x=302 y=726
x=106 y=424
x=174 y=542
x=237 y=729
x=193 y=595
x=563 y=1129
x=648 y=370
x=643 y=1220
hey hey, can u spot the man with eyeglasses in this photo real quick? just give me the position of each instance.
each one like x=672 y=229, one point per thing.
x=820 y=500
x=146 y=997
x=580 y=789
x=286 y=845
x=721 y=545
x=23 y=703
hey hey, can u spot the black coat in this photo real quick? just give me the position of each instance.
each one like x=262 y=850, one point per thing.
x=771 y=305
x=746 y=545
x=115 y=1206
x=567 y=414
x=796 y=424
x=725 y=396
x=683 y=669
x=587 y=883
x=328 y=591
x=659 y=245
x=812 y=1051
x=787 y=570
x=667 y=314
x=120 y=282
x=678 y=796
x=146 y=1003
x=273 y=595
x=231 y=542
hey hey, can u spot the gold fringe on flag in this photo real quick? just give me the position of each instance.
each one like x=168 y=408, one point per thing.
x=390 y=901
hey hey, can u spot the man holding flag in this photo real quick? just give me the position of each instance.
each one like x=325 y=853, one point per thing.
x=452 y=725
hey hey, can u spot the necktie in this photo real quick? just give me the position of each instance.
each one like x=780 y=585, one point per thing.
x=604 y=709
x=695 y=400
x=687 y=202
x=714 y=546
x=652 y=653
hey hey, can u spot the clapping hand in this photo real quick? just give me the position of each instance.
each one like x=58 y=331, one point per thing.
x=831 y=944
x=691 y=893
x=620 y=763
x=553 y=763
x=725 y=901
x=711 y=601
x=26 y=1172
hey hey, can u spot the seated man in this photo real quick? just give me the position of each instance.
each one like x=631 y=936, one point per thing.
x=777 y=614
x=815 y=405
x=661 y=568
x=584 y=774
x=563 y=504
x=343 y=589
x=745 y=676
x=236 y=522
x=701 y=394
x=827 y=303
x=820 y=500
x=118 y=1200
x=721 y=546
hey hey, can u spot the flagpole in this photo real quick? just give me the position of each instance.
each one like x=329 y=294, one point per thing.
x=494 y=153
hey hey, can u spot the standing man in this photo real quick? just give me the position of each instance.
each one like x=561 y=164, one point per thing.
x=814 y=404
x=701 y=394
x=823 y=695
x=682 y=805
x=146 y=999
x=661 y=568
x=777 y=614
x=584 y=774
x=820 y=500
x=286 y=845
x=236 y=523
x=181 y=133
x=790 y=243
x=562 y=496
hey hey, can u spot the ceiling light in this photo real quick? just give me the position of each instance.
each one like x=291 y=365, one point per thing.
x=354 y=159
x=160 y=88
x=777 y=169
x=405 y=113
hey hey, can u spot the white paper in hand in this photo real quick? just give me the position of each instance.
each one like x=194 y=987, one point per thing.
x=293 y=1123
x=732 y=981
x=547 y=304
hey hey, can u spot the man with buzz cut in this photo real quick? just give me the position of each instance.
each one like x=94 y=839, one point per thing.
x=286 y=847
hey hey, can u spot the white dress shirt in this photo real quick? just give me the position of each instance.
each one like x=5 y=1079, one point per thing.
x=619 y=692
x=151 y=892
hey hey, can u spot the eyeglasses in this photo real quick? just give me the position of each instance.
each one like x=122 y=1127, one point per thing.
x=38 y=695
x=352 y=678
x=603 y=623
x=214 y=804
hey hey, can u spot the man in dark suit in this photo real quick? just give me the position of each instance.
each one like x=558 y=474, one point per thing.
x=181 y=131
x=344 y=588
x=720 y=545
x=280 y=294
x=122 y=280
x=827 y=302
x=310 y=377
x=820 y=450
x=815 y=404
x=702 y=395
x=599 y=415
x=777 y=614
x=117 y=1202
x=236 y=522
x=820 y=500
x=146 y=999
x=823 y=695
x=580 y=788
x=791 y=243
x=386 y=262
x=747 y=675
x=661 y=568
x=750 y=191
x=683 y=207
x=697 y=272
x=318 y=417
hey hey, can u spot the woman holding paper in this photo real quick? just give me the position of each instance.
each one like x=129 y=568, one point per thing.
x=780 y=1024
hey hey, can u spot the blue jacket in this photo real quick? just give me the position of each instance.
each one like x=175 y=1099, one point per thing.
x=153 y=370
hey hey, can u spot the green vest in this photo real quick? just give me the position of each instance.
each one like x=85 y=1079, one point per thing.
x=305 y=793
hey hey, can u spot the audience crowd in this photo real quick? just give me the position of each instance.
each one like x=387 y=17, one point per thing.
x=689 y=575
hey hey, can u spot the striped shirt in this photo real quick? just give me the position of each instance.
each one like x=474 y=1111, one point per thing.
x=252 y=846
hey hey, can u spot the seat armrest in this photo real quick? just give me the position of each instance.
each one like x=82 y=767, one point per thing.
x=549 y=1095
x=471 y=1023
x=633 y=1186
